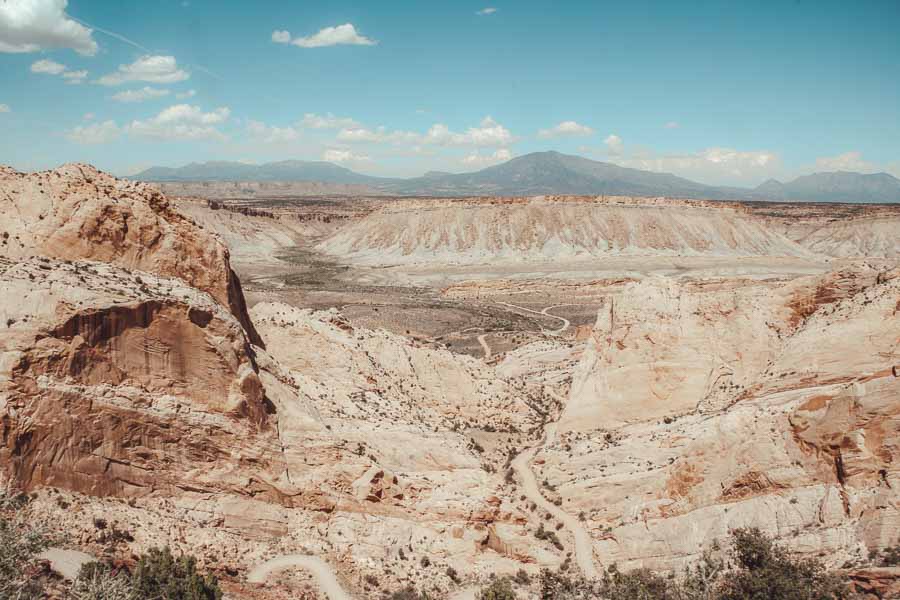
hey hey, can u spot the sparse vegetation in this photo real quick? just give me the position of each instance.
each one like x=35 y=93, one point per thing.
x=755 y=569
x=20 y=543
x=498 y=589
x=98 y=581
x=159 y=574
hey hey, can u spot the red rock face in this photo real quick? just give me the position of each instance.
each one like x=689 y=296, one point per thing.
x=113 y=387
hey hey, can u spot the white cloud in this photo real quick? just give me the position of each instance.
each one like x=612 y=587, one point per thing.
x=149 y=68
x=333 y=155
x=481 y=160
x=4 y=108
x=849 y=161
x=186 y=95
x=182 y=122
x=488 y=133
x=486 y=11
x=75 y=77
x=345 y=34
x=327 y=121
x=141 y=95
x=95 y=133
x=614 y=144
x=33 y=25
x=712 y=165
x=47 y=67
x=185 y=113
x=378 y=135
x=271 y=135
x=88 y=116
x=566 y=128
x=672 y=125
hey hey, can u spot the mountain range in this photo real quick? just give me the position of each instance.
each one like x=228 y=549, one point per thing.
x=546 y=173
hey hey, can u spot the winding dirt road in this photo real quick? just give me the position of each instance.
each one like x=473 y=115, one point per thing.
x=543 y=313
x=584 y=548
x=321 y=572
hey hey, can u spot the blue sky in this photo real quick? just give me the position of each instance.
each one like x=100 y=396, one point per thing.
x=718 y=91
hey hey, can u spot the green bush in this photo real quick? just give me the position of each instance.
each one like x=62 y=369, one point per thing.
x=499 y=589
x=408 y=593
x=640 y=584
x=758 y=569
x=159 y=574
x=765 y=571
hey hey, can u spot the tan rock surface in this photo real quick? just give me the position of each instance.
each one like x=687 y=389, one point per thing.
x=772 y=405
x=133 y=388
x=76 y=212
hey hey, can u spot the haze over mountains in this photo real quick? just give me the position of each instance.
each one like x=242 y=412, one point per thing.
x=545 y=173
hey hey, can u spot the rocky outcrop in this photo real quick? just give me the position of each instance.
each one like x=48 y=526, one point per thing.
x=122 y=383
x=76 y=212
x=702 y=407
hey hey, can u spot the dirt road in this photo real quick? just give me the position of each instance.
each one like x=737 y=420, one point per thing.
x=521 y=464
x=321 y=571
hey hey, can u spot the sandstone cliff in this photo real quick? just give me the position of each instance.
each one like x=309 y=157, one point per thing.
x=76 y=212
x=702 y=407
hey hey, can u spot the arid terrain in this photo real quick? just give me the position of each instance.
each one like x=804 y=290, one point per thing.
x=323 y=395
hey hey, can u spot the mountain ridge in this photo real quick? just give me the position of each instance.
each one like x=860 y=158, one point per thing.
x=546 y=173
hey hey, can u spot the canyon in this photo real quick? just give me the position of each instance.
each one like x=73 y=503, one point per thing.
x=340 y=395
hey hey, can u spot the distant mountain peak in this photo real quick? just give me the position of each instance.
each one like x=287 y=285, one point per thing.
x=547 y=172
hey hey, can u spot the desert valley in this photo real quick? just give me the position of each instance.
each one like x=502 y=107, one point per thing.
x=339 y=395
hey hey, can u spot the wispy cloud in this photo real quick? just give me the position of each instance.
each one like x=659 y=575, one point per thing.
x=182 y=122
x=141 y=95
x=4 y=108
x=336 y=155
x=488 y=133
x=345 y=34
x=269 y=134
x=49 y=67
x=614 y=144
x=150 y=68
x=95 y=133
x=488 y=10
x=485 y=160
x=564 y=129
x=326 y=121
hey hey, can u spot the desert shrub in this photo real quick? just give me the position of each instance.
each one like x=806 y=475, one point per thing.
x=159 y=574
x=639 y=584
x=890 y=557
x=765 y=571
x=20 y=543
x=522 y=577
x=452 y=574
x=97 y=581
x=408 y=593
x=557 y=586
x=498 y=589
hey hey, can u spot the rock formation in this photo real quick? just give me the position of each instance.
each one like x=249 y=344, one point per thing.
x=702 y=407
x=76 y=212
x=135 y=386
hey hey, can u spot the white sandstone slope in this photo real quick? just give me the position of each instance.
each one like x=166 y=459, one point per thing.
x=552 y=229
x=697 y=409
